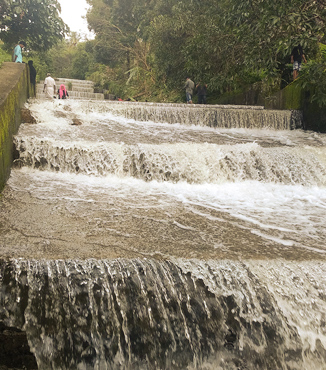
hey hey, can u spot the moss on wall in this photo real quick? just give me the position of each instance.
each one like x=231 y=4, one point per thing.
x=15 y=91
x=291 y=97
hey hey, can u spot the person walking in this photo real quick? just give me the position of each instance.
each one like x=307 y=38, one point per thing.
x=189 y=86
x=201 y=92
x=49 y=87
x=297 y=56
x=17 y=55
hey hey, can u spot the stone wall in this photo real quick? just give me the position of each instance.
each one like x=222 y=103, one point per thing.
x=15 y=90
x=293 y=97
x=290 y=98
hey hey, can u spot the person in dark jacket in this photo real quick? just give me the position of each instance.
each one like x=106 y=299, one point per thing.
x=201 y=92
x=32 y=75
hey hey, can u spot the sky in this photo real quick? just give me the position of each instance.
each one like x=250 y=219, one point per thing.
x=72 y=12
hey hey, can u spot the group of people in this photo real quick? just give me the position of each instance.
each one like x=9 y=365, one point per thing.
x=17 y=57
x=201 y=91
x=50 y=89
x=49 y=83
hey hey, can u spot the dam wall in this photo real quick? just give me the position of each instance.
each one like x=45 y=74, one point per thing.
x=15 y=90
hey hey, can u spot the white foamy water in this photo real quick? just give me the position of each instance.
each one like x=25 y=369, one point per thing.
x=266 y=186
x=291 y=217
x=159 y=245
x=103 y=125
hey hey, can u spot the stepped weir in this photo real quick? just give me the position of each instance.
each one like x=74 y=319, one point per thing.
x=77 y=89
x=165 y=236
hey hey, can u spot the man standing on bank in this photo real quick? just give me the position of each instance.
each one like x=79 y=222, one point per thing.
x=189 y=86
x=297 y=56
x=18 y=56
x=49 y=87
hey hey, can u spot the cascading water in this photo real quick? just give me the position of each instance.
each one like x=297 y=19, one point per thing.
x=133 y=244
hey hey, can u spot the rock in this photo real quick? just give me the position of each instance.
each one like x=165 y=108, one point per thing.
x=14 y=350
x=76 y=122
x=26 y=116
x=60 y=114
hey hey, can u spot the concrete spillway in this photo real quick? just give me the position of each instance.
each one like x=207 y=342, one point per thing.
x=163 y=236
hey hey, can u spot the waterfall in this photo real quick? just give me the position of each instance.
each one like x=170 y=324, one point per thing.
x=165 y=236
x=212 y=116
x=224 y=116
x=143 y=314
x=193 y=163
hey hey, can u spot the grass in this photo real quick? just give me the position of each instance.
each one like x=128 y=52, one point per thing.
x=4 y=55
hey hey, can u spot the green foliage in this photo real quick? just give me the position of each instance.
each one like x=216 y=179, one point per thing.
x=120 y=43
x=4 y=55
x=81 y=62
x=67 y=59
x=146 y=48
x=36 y=22
x=313 y=78
x=40 y=64
x=152 y=45
x=277 y=26
x=229 y=42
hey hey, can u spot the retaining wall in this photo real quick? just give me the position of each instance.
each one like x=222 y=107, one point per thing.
x=15 y=89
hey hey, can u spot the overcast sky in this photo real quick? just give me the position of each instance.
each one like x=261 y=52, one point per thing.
x=72 y=12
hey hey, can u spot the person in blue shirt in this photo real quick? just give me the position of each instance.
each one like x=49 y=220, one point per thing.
x=18 y=56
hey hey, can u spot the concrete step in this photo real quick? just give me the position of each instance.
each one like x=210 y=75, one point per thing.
x=66 y=81
x=39 y=89
x=74 y=83
x=78 y=95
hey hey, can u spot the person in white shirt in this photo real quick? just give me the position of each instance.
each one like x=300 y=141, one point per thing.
x=49 y=87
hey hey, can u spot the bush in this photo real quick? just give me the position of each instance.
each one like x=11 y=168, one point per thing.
x=313 y=78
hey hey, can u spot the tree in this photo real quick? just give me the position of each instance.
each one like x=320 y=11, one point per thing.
x=232 y=43
x=36 y=22
x=269 y=30
x=81 y=63
x=120 y=41
x=188 y=38
x=313 y=78
x=229 y=44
